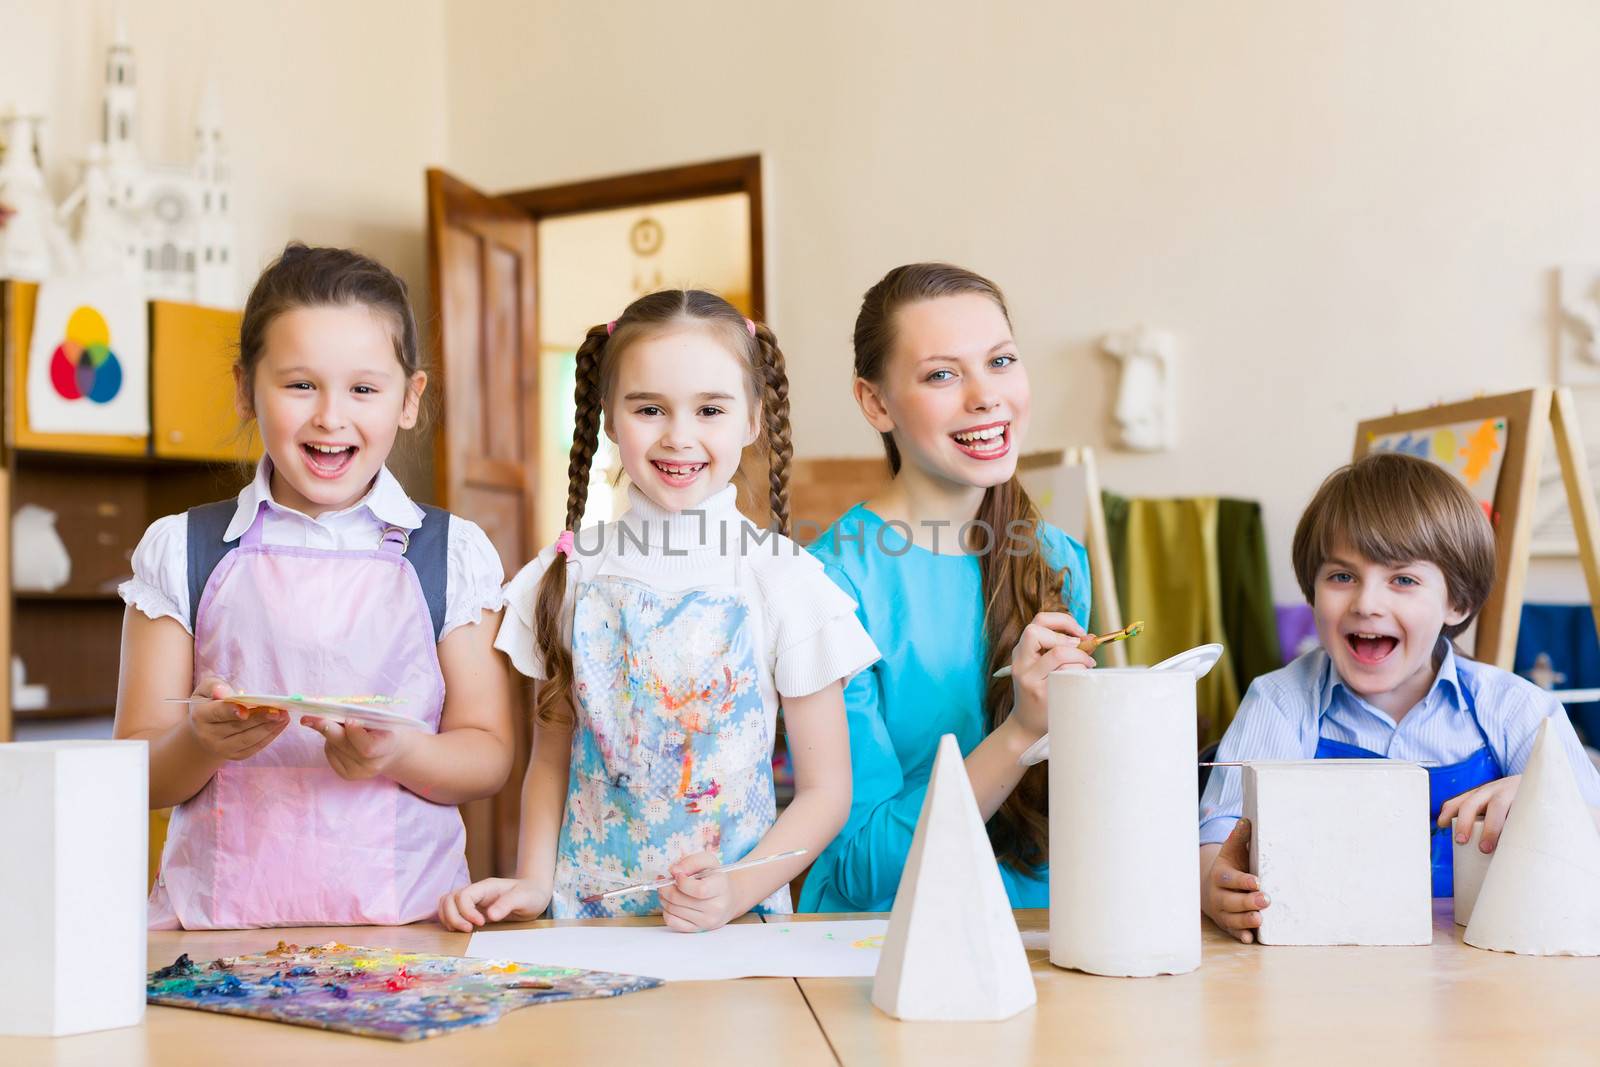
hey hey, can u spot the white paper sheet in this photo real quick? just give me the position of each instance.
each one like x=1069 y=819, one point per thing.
x=824 y=949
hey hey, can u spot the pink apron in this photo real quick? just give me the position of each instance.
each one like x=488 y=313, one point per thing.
x=279 y=839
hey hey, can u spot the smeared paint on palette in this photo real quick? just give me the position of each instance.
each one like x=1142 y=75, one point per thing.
x=375 y=992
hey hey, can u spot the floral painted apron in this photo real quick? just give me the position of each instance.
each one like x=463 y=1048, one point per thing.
x=672 y=748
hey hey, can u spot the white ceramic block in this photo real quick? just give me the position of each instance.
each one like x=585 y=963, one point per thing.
x=1124 y=896
x=74 y=821
x=1341 y=848
x=1541 y=896
x=952 y=952
x=1469 y=867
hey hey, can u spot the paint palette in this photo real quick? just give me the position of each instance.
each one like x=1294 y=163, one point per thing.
x=330 y=708
x=375 y=992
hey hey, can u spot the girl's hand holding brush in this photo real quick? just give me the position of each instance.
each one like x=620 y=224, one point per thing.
x=1049 y=643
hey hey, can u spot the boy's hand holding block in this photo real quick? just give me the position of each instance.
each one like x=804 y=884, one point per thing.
x=1341 y=848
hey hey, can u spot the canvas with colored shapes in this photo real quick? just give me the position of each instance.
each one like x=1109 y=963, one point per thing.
x=374 y=992
x=1472 y=451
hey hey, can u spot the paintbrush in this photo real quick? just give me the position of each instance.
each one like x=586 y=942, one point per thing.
x=1092 y=642
x=662 y=883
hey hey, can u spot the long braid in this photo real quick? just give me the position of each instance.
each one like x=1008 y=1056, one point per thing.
x=585 y=424
x=775 y=415
x=552 y=705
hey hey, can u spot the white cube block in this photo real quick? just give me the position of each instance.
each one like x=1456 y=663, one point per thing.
x=74 y=823
x=1341 y=848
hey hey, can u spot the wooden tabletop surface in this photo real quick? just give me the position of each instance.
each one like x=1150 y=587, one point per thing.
x=1358 y=1007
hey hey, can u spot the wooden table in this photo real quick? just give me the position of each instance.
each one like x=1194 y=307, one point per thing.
x=1357 y=1007
x=1446 y=1003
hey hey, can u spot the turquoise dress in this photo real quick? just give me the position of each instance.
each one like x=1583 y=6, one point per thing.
x=924 y=611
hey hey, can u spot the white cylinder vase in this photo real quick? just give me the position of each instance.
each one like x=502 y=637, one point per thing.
x=1124 y=830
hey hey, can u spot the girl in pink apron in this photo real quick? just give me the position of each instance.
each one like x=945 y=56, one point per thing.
x=667 y=641
x=322 y=578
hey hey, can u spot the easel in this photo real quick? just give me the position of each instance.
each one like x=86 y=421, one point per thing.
x=1526 y=414
x=1074 y=465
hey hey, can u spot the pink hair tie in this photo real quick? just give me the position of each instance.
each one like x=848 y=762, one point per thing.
x=564 y=544
x=612 y=325
x=750 y=327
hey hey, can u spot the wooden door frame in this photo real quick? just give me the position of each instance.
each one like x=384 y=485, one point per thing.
x=455 y=205
x=740 y=174
x=441 y=188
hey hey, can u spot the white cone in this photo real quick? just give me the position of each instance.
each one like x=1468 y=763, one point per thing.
x=1541 y=896
x=1469 y=865
x=952 y=952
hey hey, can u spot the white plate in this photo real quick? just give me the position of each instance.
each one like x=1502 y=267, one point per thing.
x=300 y=707
x=1198 y=660
x=361 y=714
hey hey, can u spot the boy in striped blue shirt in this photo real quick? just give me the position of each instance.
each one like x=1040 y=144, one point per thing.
x=1396 y=558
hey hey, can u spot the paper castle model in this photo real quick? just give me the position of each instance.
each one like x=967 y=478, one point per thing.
x=168 y=226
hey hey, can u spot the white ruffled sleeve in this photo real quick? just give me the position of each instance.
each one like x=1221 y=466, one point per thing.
x=516 y=637
x=473 y=575
x=816 y=637
x=160 y=583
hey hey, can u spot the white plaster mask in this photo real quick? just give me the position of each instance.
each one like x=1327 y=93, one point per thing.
x=1143 y=407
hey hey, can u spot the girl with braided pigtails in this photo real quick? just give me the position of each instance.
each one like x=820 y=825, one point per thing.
x=665 y=642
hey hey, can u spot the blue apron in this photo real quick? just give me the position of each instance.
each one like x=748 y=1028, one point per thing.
x=1477 y=769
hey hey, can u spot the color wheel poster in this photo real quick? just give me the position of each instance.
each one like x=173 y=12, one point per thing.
x=89 y=363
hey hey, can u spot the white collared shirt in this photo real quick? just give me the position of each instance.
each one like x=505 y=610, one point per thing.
x=160 y=583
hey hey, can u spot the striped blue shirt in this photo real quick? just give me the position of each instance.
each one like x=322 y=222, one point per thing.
x=1285 y=713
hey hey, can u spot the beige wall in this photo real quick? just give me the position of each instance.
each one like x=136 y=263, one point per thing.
x=1340 y=206
x=331 y=111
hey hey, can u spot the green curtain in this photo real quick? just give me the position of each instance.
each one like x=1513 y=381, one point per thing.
x=1248 y=616
x=1195 y=570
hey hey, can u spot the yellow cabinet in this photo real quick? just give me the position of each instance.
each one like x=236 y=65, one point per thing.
x=194 y=416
